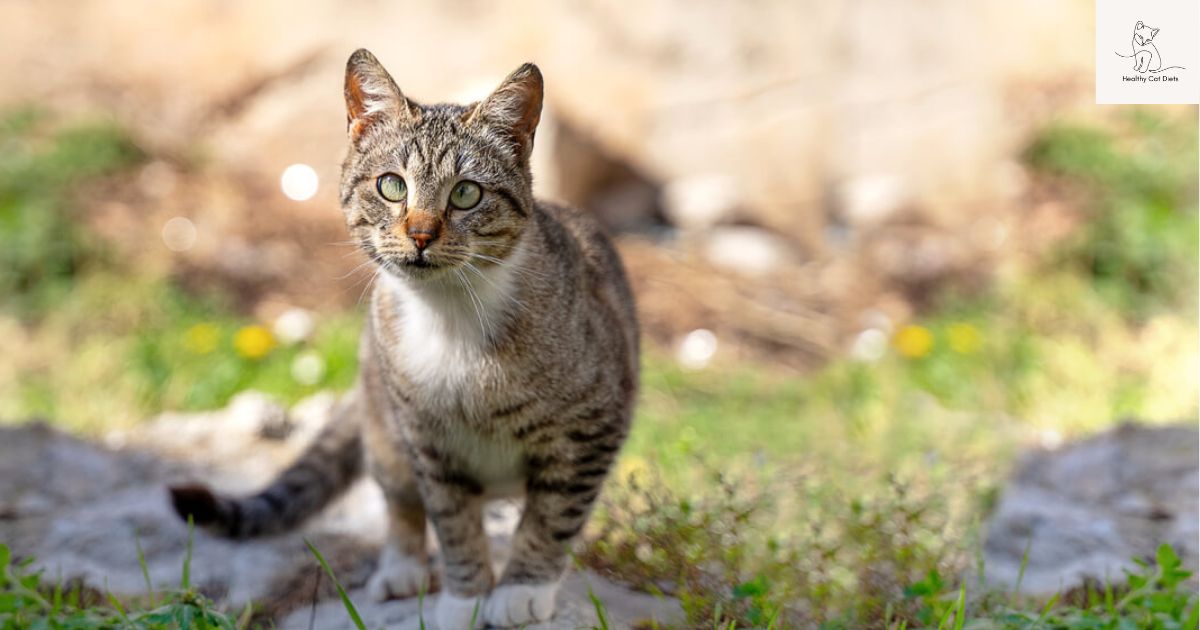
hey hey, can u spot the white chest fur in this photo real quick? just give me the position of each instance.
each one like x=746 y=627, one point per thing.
x=440 y=341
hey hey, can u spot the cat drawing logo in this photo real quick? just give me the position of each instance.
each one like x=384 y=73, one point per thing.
x=1145 y=54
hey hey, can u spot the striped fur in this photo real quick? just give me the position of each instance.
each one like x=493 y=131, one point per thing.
x=500 y=359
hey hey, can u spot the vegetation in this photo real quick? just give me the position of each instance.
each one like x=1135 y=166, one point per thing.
x=849 y=498
x=26 y=601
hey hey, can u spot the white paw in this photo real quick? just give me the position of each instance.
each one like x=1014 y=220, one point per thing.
x=519 y=604
x=397 y=576
x=457 y=613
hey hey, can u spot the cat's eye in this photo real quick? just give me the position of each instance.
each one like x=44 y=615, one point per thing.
x=465 y=195
x=391 y=187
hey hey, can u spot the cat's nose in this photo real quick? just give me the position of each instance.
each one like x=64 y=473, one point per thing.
x=422 y=239
x=423 y=229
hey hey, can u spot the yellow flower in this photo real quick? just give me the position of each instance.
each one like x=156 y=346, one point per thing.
x=253 y=342
x=964 y=338
x=201 y=338
x=913 y=341
x=632 y=468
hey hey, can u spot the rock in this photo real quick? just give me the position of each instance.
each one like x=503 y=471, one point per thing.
x=1085 y=510
x=572 y=166
x=623 y=608
x=82 y=510
x=699 y=202
x=747 y=250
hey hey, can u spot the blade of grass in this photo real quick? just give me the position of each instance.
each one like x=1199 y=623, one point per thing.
x=1021 y=572
x=1109 y=600
x=243 y=621
x=350 y=609
x=601 y=613
x=1045 y=611
x=141 y=556
x=116 y=604
x=185 y=581
x=960 y=615
x=421 y=606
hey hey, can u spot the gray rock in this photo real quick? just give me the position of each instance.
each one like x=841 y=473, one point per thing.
x=82 y=510
x=1086 y=510
x=623 y=609
x=747 y=250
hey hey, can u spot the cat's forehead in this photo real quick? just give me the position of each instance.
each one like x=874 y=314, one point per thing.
x=437 y=143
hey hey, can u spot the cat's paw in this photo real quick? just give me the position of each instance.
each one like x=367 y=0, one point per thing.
x=454 y=612
x=519 y=604
x=398 y=576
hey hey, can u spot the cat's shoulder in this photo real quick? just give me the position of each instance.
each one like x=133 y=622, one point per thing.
x=579 y=225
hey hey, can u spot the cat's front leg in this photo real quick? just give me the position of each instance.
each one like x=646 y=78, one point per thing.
x=560 y=492
x=403 y=569
x=454 y=504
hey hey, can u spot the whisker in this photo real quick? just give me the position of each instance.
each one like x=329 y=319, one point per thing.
x=507 y=295
x=475 y=303
x=355 y=269
x=506 y=264
x=369 y=285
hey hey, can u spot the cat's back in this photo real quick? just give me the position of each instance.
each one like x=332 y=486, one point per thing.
x=573 y=232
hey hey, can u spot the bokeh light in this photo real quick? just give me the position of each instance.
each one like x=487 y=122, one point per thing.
x=179 y=234
x=299 y=182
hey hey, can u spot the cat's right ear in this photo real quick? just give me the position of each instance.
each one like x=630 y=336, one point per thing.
x=372 y=97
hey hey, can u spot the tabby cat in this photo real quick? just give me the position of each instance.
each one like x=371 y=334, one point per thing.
x=499 y=356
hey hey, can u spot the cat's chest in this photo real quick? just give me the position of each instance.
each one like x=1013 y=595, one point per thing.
x=440 y=348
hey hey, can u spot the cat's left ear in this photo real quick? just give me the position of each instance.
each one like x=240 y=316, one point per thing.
x=372 y=97
x=1153 y=32
x=514 y=108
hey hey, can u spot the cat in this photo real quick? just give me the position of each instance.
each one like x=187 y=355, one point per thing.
x=499 y=355
x=1145 y=54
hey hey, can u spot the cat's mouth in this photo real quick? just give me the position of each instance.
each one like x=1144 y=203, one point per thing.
x=412 y=265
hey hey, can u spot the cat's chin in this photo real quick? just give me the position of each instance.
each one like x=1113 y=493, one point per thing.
x=418 y=270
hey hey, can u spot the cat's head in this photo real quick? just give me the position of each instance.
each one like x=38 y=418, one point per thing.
x=1144 y=34
x=431 y=189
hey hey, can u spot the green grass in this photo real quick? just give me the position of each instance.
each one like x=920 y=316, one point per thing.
x=27 y=601
x=119 y=348
x=44 y=169
x=1138 y=179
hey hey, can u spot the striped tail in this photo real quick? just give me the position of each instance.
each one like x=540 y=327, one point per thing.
x=331 y=463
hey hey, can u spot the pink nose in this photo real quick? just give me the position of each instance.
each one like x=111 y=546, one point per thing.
x=422 y=227
x=422 y=239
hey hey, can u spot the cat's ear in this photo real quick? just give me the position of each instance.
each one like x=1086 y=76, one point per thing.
x=372 y=97
x=1153 y=33
x=514 y=108
x=1138 y=25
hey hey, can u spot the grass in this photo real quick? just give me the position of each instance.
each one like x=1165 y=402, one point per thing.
x=848 y=498
x=1157 y=597
x=27 y=601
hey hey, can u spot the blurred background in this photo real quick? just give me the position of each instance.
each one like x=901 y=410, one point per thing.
x=871 y=240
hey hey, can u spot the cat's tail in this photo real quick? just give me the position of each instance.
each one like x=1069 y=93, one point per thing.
x=1167 y=68
x=1126 y=56
x=322 y=472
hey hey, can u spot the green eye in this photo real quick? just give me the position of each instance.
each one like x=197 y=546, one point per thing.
x=465 y=195
x=391 y=187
